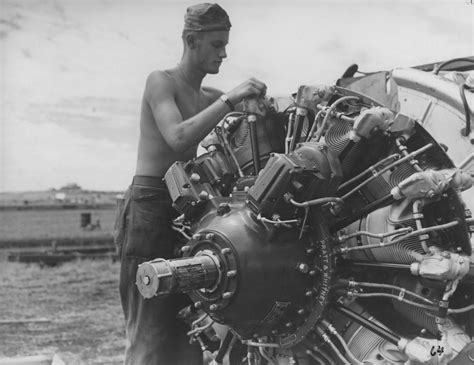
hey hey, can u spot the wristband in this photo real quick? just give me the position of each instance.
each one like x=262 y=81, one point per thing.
x=225 y=99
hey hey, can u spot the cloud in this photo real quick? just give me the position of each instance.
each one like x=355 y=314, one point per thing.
x=73 y=72
x=42 y=156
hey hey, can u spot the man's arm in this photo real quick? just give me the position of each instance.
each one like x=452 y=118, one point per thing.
x=179 y=134
x=215 y=93
x=182 y=134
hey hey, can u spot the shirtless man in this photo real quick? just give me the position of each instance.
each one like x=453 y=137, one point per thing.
x=177 y=112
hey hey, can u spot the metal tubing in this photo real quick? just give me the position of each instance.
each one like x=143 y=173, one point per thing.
x=382 y=332
x=315 y=357
x=341 y=340
x=467 y=110
x=397 y=297
x=319 y=133
x=408 y=235
x=326 y=339
x=418 y=215
x=461 y=310
x=289 y=132
x=224 y=347
x=314 y=126
x=403 y=150
x=381 y=202
x=392 y=165
x=261 y=344
x=300 y=116
x=376 y=235
x=370 y=169
x=319 y=201
x=382 y=264
x=229 y=153
x=266 y=220
x=252 y=120
x=384 y=286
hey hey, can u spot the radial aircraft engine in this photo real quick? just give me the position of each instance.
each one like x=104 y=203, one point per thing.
x=332 y=232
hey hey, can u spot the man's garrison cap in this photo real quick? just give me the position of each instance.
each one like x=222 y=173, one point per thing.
x=205 y=18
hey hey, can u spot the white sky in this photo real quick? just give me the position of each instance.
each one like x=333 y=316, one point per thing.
x=72 y=72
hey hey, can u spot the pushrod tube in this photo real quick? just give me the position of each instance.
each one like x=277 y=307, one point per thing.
x=382 y=332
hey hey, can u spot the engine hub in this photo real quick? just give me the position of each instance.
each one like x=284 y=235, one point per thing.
x=249 y=275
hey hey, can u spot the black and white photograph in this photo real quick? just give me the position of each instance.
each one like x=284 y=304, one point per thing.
x=237 y=182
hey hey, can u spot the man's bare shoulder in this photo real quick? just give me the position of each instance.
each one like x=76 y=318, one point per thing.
x=160 y=83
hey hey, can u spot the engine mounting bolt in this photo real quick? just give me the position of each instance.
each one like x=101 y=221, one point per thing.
x=198 y=305
x=225 y=251
x=308 y=293
x=226 y=295
x=203 y=195
x=213 y=307
x=423 y=331
x=288 y=324
x=210 y=236
x=300 y=311
x=231 y=273
x=312 y=272
x=310 y=251
x=194 y=177
x=185 y=249
x=302 y=267
x=146 y=280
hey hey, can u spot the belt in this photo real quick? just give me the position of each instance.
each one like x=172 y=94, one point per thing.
x=152 y=181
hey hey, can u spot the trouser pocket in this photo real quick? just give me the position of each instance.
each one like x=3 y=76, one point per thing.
x=121 y=222
x=149 y=234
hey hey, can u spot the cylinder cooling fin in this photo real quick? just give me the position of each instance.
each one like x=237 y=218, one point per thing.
x=342 y=237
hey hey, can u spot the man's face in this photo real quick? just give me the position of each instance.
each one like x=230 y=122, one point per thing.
x=210 y=50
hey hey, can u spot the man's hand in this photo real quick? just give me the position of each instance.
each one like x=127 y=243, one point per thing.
x=250 y=87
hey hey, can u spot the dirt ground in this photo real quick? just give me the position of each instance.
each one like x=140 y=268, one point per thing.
x=72 y=310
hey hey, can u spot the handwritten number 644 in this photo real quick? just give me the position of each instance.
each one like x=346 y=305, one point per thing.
x=435 y=351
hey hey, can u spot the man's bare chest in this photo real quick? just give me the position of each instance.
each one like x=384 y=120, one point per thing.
x=191 y=102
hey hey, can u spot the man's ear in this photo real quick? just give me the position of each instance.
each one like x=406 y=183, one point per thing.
x=190 y=40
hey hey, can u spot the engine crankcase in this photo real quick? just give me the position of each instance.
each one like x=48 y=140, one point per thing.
x=258 y=279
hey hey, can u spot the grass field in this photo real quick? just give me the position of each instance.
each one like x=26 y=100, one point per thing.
x=18 y=225
x=79 y=307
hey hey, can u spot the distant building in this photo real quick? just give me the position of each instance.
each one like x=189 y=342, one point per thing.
x=60 y=196
x=71 y=188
